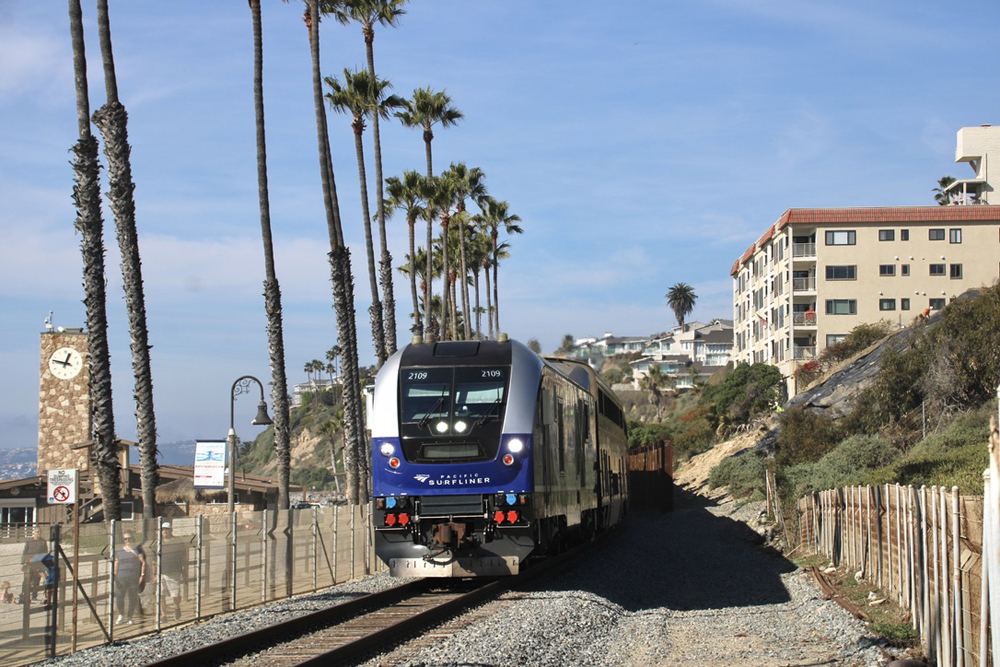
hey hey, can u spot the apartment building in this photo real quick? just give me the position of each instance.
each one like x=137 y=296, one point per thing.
x=815 y=274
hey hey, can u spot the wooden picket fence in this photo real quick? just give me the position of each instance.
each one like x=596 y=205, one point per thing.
x=932 y=550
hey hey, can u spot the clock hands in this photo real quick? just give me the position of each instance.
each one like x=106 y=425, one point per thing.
x=62 y=363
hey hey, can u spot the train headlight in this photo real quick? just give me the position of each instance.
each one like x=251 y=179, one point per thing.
x=387 y=449
x=508 y=460
x=515 y=445
x=460 y=427
x=441 y=427
x=394 y=462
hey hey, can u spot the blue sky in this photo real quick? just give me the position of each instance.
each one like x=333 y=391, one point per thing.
x=643 y=144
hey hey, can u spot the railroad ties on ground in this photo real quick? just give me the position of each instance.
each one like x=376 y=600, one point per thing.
x=371 y=624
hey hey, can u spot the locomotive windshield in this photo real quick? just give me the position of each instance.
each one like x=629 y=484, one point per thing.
x=463 y=394
x=452 y=414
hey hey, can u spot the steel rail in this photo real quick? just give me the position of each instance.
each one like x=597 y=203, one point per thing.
x=283 y=631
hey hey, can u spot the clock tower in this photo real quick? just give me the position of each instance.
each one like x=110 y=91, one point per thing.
x=63 y=401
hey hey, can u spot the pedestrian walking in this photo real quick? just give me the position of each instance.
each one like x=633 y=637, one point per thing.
x=130 y=574
x=33 y=546
x=173 y=566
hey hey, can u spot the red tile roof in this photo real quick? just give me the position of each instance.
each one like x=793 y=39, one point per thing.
x=873 y=214
x=889 y=214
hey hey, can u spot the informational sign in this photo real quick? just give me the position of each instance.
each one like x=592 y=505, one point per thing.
x=62 y=486
x=210 y=464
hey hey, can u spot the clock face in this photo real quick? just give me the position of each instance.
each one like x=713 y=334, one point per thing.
x=65 y=363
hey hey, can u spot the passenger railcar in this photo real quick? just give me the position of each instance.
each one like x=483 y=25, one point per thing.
x=485 y=454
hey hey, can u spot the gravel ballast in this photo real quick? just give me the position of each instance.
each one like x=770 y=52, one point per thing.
x=688 y=587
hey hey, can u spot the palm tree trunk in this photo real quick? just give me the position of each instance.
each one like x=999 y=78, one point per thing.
x=496 y=292
x=385 y=263
x=489 y=303
x=465 y=286
x=453 y=305
x=445 y=292
x=343 y=285
x=87 y=197
x=428 y=137
x=112 y=121
x=375 y=309
x=272 y=290
x=429 y=277
x=479 y=319
x=417 y=323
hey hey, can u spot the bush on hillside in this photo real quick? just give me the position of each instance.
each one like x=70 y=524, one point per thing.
x=642 y=434
x=749 y=390
x=805 y=437
x=857 y=340
x=742 y=475
x=846 y=464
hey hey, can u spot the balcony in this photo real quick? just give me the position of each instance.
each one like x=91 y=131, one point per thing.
x=806 y=319
x=804 y=352
x=802 y=250
x=804 y=284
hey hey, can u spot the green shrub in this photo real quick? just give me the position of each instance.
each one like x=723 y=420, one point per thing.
x=846 y=464
x=641 y=434
x=857 y=340
x=805 y=437
x=742 y=475
x=747 y=391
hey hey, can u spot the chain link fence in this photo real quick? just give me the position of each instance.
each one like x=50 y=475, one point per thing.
x=63 y=590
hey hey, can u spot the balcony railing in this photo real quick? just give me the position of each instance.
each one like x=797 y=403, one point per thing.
x=805 y=351
x=806 y=319
x=803 y=250
x=804 y=284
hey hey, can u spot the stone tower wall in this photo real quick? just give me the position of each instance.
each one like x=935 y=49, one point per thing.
x=63 y=407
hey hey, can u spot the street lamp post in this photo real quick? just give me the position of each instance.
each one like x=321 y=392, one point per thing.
x=241 y=386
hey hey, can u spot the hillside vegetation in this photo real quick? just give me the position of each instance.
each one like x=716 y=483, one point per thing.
x=921 y=418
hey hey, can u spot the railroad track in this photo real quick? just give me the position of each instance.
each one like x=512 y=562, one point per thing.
x=350 y=631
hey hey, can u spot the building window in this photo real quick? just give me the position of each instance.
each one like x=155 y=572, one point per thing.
x=844 y=237
x=935 y=234
x=936 y=304
x=955 y=270
x=841 y=307
x=841 y=272
x=955 y=235
x=937 y=269
x=904 y=304
x=887 y=270
x=904 y=234
x=127 y=510
x=833 y=339
x=886 y=235
x=904 y=269
x=887 y=304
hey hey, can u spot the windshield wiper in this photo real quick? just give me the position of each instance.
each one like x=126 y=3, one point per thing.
x=482 y=420
x=427 y=417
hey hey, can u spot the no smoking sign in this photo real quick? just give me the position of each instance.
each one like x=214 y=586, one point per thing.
x=62 y=486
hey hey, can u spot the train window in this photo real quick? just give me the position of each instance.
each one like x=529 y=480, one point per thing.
x=479 y=392
x=426 y=393
x=561 y=425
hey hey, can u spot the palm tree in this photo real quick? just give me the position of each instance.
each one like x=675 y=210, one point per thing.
x=442 y=198
x=112 y=120
x=359 y=96
x=681 y=298
x=478 y=250
x=941 y=196
x=497 y=216
x=343 y=283
x=469 y=184
x=409 y=195
x=90 y=224
x=368 y=13
x=425 y=110
x=331 y=357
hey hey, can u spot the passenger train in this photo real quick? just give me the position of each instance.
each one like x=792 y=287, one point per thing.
x=485 y=454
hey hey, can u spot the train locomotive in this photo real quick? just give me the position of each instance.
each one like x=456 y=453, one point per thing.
x=485 y=454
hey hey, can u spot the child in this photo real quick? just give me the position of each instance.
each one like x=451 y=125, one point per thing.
x=6 y=597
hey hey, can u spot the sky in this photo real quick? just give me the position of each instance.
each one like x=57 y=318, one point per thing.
x=643 y=143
